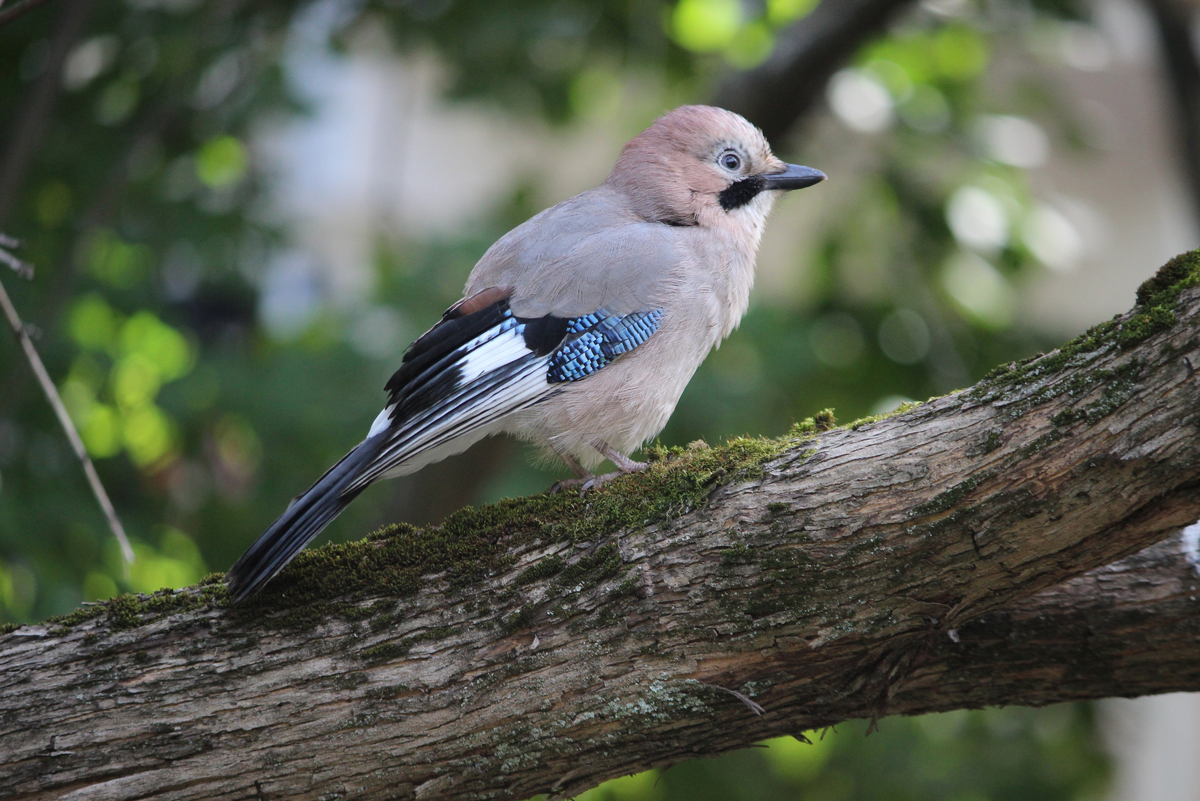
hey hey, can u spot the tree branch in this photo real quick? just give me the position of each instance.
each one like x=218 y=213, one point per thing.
x=34 y=115
x=1175 y=22
x=18 y=11
x=785 y=87
x=549 y=643
x=1131 y=628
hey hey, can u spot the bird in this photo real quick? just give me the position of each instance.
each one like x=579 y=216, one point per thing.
x=579 y=329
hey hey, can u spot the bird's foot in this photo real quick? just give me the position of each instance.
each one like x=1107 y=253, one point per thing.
x=569 y=483
x=624 y=463
x=585 y=483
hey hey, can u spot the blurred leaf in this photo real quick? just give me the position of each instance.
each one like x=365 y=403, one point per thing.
x=221 y=162
x=706 y=26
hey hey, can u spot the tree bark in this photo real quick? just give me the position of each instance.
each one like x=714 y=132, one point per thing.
x=900 y=565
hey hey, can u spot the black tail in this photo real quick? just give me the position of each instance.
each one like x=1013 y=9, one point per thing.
x=304 y=519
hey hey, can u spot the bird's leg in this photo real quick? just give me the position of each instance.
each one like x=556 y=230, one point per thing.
x=585 y=480
x=624 y=464
x=582 y=475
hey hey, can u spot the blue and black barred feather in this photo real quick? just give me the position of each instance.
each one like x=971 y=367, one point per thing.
x=595 y=339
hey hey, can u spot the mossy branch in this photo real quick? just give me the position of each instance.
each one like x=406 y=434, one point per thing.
x=931 y=560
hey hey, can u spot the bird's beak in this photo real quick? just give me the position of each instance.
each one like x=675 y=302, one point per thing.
x=793 y=177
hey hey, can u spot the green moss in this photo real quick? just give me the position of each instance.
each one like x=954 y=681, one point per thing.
x=544 y=568
x=8 y=628
x=737 y=555
x=991 y=441
x=1040 y=444
x=170 y=602
x=1144 y=325
x=1154 y=312
x=348 y=681
x=386 y=693
x=591 y=569
x=824 y=420
x=945 y=500
x=128 y=611
x=385 y=652
x=627 y=587
x=1178 y=274
x=907 y=406
x=80 y=615
x=388 y=651
x=1068 y=416
x=1118 y=385
x=475 y=543
x=304 y=616
x=520 y=619
x=472 y=544
x=789 y=576
x=357 y=612
x=124 y=612
x=384 y=621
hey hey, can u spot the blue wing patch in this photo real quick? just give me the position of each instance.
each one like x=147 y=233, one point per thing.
x=595 y=339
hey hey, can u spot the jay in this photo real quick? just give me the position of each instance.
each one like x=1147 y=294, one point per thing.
x=579 y=329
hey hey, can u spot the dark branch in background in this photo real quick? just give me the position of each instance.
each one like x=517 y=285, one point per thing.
x=787 y=86
x=26 y=132
x=776 y=94
x=30 y=122
x=21 y=331
x=19 y=11
x=1175 y=22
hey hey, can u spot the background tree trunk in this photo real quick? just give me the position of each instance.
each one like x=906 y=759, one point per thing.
x=905 y=564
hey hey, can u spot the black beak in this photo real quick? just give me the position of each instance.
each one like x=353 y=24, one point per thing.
x=794 y=177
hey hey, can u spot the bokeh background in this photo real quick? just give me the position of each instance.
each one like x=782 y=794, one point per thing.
x=241 y=213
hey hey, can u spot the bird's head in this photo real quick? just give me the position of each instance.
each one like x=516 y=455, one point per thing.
x=701 y=165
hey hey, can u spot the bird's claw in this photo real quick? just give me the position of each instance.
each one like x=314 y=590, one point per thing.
x=587 y=483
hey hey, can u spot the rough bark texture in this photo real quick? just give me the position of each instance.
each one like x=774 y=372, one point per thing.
x=906 y=564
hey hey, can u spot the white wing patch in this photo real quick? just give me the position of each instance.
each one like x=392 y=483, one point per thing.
x=1189 y=541
x=382 y=421
x=491 y=351
x=497 y=375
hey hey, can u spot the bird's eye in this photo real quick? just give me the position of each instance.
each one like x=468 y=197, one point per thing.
x=730 y=161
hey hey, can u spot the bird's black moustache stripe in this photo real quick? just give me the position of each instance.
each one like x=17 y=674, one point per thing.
x=739 y=193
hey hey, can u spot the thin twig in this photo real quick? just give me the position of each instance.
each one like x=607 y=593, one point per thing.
x=750 y=703
x=39 y=369
x=23 y=269
x=19 y=11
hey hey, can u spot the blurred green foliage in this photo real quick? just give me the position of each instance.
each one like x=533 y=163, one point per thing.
x=1006 y=754
x=145 y=202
